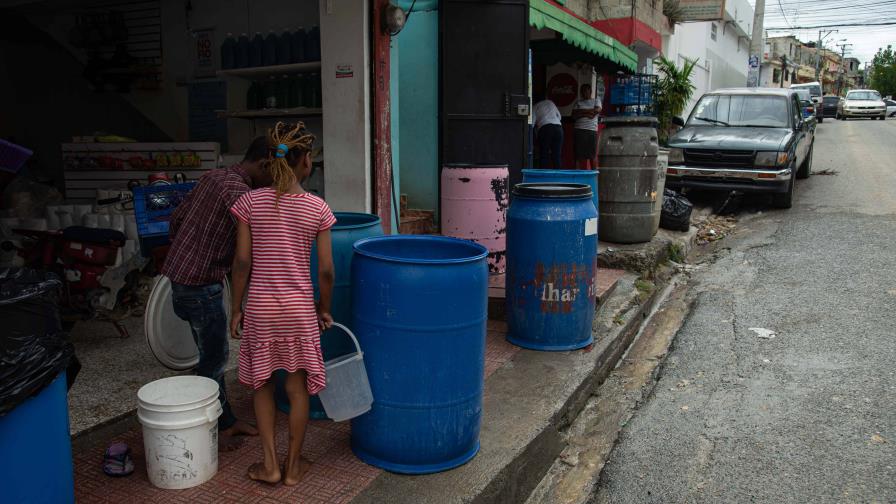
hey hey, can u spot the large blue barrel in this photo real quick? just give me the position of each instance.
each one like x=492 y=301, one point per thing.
x=551 y=266
x=589 y=177
x=349 y=228
x=36 y=450
x=419 y=312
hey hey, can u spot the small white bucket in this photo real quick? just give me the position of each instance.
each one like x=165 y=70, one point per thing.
x=180 y=430
x=347 y=394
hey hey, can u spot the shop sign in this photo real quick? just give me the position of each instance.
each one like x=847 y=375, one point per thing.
x=563 y=89
x=344 y=72
x=204 y=50
x=702 y=10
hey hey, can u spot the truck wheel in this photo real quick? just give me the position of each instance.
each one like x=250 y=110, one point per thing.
x=806 y=168
x=785 y=199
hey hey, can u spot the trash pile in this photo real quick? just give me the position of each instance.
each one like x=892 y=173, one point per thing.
x=714 y=228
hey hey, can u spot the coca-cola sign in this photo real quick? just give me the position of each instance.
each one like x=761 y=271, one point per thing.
x=563 y=89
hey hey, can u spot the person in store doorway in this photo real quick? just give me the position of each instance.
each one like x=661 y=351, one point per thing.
x=586 y=114
x=203 y=240
x=549 y=134
x=281 y=325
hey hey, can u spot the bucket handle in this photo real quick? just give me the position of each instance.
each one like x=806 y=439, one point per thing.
x=351 y=335
x=214 y=411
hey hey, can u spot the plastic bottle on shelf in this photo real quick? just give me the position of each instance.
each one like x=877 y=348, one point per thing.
x=283 y=92
x=252 y=96
x=299 y=41
x=270 y=49
x=312 y=50
x=305 y=85
x=269 y=90
x=284 y=48
x=241 y=58
x=314 y=84
x=256 y=52
x=294 y=96
x=228 y=52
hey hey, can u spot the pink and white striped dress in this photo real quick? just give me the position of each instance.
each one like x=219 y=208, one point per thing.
x=280 y=321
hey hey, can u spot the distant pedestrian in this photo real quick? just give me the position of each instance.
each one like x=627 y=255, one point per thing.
x=586 y=113
x=277 y=228
x=549 y=133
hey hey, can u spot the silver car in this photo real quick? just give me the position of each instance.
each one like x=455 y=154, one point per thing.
x=862 y=103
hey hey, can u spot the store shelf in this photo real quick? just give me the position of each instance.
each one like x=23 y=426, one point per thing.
x=264 y=71
x=272 y=113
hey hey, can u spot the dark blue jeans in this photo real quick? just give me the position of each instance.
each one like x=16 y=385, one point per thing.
x=203 y=307
x=550 y=146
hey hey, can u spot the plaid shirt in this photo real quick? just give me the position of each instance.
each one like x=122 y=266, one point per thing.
x=202 y=230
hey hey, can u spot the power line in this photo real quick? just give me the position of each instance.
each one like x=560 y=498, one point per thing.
x=835 y=25
x=782 y=12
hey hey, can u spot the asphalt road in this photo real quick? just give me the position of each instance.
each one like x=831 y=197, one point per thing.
x=808 y=416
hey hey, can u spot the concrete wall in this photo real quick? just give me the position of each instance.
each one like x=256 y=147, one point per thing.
x=418 y=93
x=345 y=32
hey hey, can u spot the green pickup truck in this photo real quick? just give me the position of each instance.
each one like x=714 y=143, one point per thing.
x=744 y=139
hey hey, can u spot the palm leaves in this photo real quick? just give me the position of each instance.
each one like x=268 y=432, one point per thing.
x=674 y=90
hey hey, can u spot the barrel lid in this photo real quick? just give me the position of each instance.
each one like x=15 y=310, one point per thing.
x=632 y=121
x=170 y=338
x=553 y=190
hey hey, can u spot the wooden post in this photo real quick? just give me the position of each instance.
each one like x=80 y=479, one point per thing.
x=382 y=122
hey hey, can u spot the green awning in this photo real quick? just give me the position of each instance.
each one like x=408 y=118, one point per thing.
x=580 y=34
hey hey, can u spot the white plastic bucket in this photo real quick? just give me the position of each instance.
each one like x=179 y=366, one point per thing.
x=347 y=394
x=180 y=430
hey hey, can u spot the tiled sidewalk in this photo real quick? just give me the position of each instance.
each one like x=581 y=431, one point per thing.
x=336 y=476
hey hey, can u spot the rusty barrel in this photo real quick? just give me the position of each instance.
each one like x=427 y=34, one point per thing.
x=628 y=180
x=551 y=280
x=474 y=207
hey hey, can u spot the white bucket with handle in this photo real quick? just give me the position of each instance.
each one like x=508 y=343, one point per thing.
x=179 y=415
x=347 y=394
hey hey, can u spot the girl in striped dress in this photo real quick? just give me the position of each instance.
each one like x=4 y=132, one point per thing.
x=281 y=326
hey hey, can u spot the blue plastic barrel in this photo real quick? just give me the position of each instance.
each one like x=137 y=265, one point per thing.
x=349 y=228
x=565 y=176
x=551 y=266
x=419 y=311
x=36 y=450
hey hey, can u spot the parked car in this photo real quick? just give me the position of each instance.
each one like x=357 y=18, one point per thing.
x=746 y=139
x=814 y=89
x=891 y=108
x=809 y=110
x=829 y=106
x=862 y=103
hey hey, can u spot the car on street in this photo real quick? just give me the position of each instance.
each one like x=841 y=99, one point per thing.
x=891 y=108
x=809 y=107
x=862 y=103
x=829 y=106
x=744 y=139
x=814 y=89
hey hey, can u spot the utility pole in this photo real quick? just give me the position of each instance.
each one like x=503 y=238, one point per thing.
x=840 y=77
x=819 y=52
x=757 y=45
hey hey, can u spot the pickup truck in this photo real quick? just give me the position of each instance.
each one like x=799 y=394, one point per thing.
x=743 y=139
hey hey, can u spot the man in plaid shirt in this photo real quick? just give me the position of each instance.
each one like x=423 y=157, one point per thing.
x=203 y=240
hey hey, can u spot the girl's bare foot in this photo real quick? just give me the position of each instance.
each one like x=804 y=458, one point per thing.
x=295 y=472
x=258 y=472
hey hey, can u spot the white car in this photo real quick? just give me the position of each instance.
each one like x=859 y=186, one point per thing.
x=891 y=108
x=862 y=103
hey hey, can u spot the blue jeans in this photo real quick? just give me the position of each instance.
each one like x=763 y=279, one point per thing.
x=550 y=146
x=203 y=307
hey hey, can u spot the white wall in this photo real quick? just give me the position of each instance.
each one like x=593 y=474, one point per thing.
x=721 y=62
x=345 y=40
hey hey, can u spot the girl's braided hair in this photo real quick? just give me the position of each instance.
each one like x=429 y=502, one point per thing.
x=298 y=141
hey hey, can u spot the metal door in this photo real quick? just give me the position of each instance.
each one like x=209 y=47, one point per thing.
x=484 y=82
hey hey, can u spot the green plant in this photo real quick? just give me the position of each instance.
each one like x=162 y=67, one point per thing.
x=674 y=90
x=672 y=10
x=883 y=71
x=676 y=254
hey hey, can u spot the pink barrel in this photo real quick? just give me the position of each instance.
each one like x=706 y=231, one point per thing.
x=474 y=207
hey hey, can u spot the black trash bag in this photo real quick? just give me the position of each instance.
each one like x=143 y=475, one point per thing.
x=676 y=214
x=33 y=347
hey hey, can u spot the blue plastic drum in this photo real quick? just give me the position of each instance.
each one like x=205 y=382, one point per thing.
x=566 y=177
x=419 y=311
x=551 y=266
x=349 y=228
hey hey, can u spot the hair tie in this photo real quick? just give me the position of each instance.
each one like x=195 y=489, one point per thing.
x=282 y=149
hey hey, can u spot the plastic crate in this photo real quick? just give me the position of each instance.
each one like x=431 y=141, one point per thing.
x=12 y=156
x=153 y=206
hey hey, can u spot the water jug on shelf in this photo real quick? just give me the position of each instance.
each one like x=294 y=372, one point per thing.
x=256 y=51
x=270 y=49
x=241 y=59
x=228 y=52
